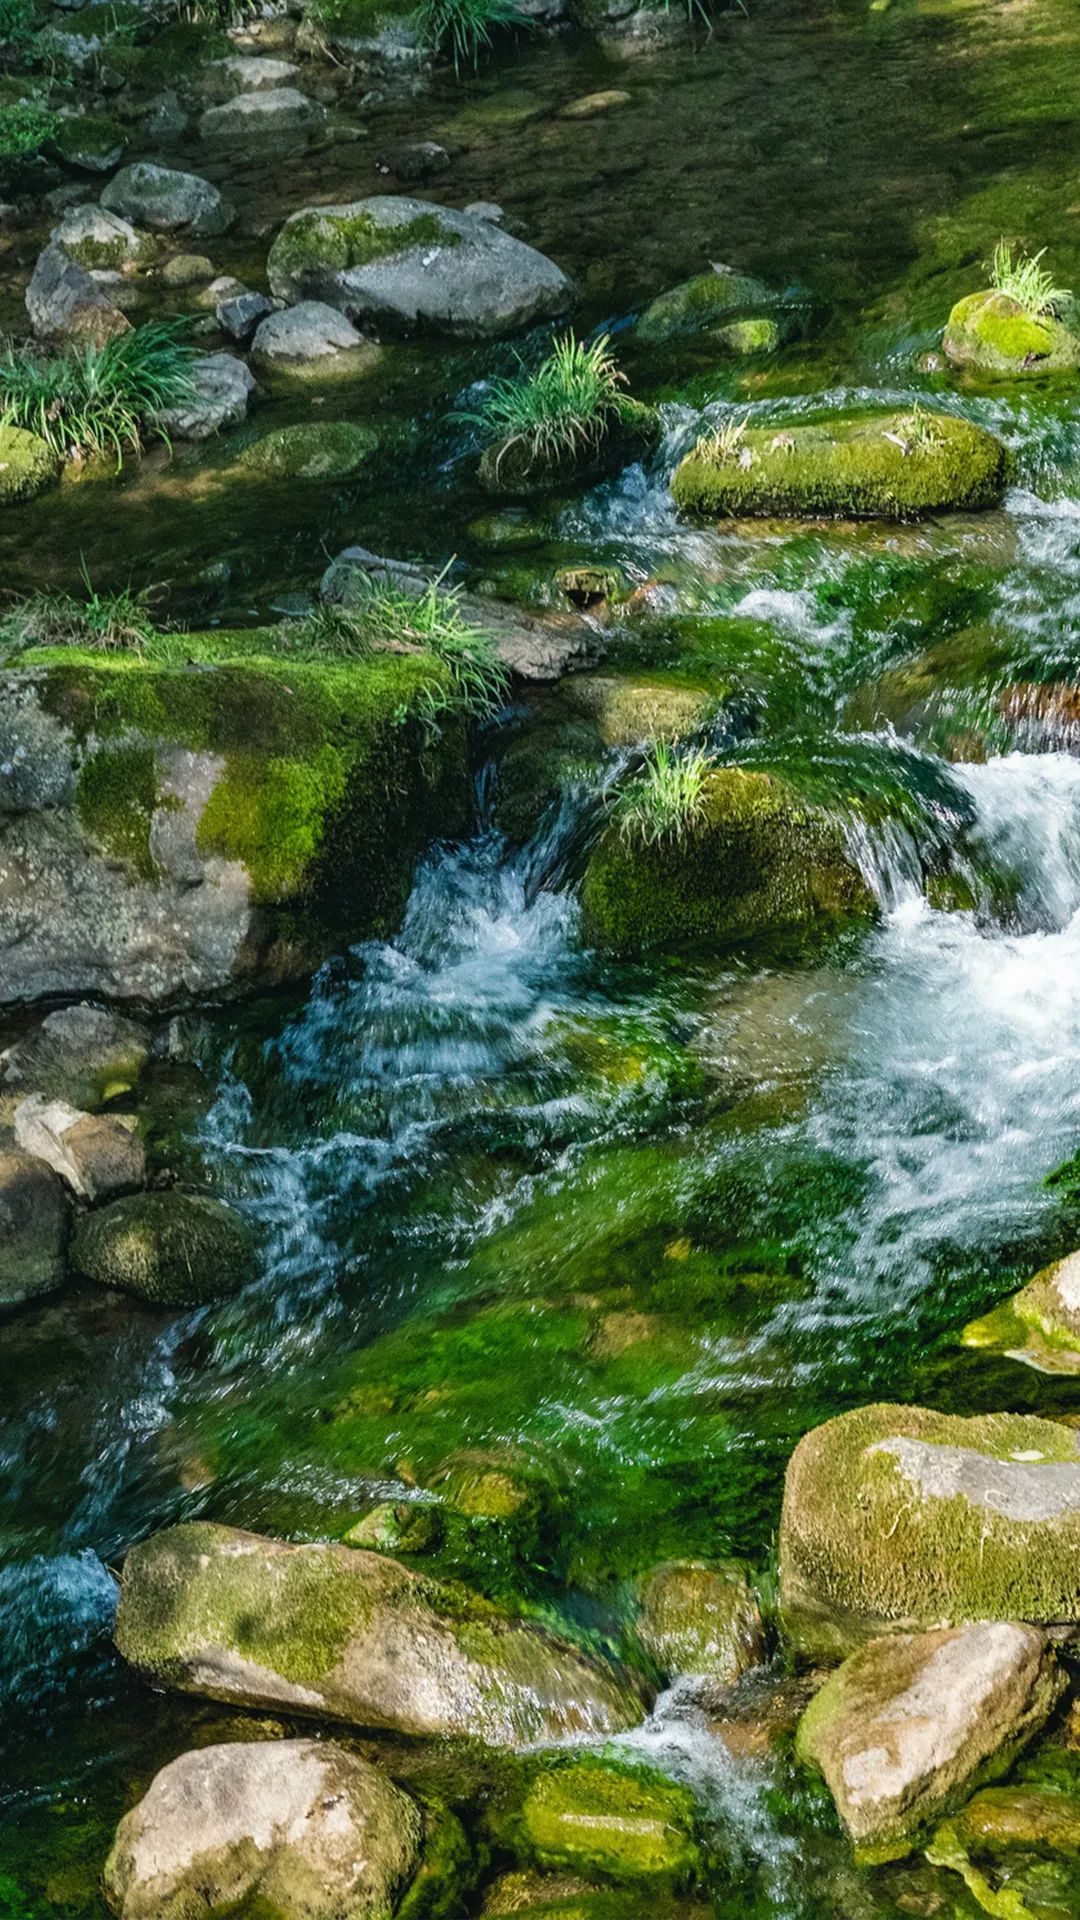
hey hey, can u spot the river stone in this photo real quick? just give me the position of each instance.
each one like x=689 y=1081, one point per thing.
x=90 y=142
x=315 y=450
x=410 y=266
x=98 y=1156
x=173 y=1249
x=510 y=467
x=603 y=1816
x=222 y=387
x=992 y=333
x=899 y=1518
x=239 y=316
x=1002 y=1828
x=697 y=1619
x=84 y=1055
x=187 y=270
x=415 y=162
x=94 y=238
x=222 y=80
x=282 y=113
x=66 y=303
x=733 y=308
x=311 y=340
x=33 y=1228
x=353 y=1636
x=27 y=466
x=300 y=1827
x=910 y=1723
x=1040 y=1325
x=630 y=710
x=166 y=200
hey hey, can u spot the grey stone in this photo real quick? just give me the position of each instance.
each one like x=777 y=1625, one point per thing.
x=97 y=1156
x=167 y=119
x=415 y=162
x=245 y=73
x=33 y=1229
x=82 y=1054
x=223 y=386
x=308 y=335
x=65 y=302
x=166 y=200
x=240 y=316
x=284 y=113
x=95 y=238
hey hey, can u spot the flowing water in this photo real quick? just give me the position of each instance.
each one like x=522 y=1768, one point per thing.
x=640 y=1225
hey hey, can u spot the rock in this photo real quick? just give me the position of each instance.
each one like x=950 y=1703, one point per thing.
x=223 y=386
x=33 y=1229
x=224 y=287
x=410 y=266
x=66 y=303
x=352 y=1636
x=97 y=1156
x=696 y=1619
x=27 y=465
x=867 y=465
x=165 y=200
x=754 y=1715
x=1019 y=1842
x=80 y=1054
x=590 y=105
x=399 y=1526
x=283 y=113
x=899 y=1518
x=245 y=73
x=511 y=468
x=323 y=450
x=167 y=119
x=992 y=333
x=309 y=1831
x=187 y=270
x=486 y=210
x=415 y=163
x=630 y=709
x=313 y=340
x=598 y=1815
x=1040 y=1325
x=94 y=238
x=732 y=308
x=756 y=859
x=92 y=142
x=174 y=1249
x=240 y=316
x=909 y=1724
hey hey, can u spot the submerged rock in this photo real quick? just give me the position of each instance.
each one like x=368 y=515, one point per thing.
x=511 y=468
x=353 y=1636
x=1039 y=1325
x=910 y=1723
x=1017 y=1847
x=33 y=1229
x=166 y=200
x=599 y=1815
x=756 y=859
x=410 y=266
x=279 y=115
x=173 y=1249
x=310 y=340
x=245 y=73
x=97 y=1156
x=84 y=1055
x=897 y=1517
x=697 y=1619
x=866 y=465
x=322 y=450
x=734 y=308
x=222 y=387
x=27 y=466
x=66 y=303
x=306 y=1830
x=992 y=333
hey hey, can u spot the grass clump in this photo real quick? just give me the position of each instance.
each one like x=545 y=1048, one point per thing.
x=463 y=28
x=102 y=622
x=26 y=127
x=665 y=799
x=18 y=19
x=558 y=413
x=388 y=619
x=98 y=401
x=1023 y=279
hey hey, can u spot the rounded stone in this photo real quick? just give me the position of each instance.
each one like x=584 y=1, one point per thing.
x=27 y=465
x=323 y=450
x=172 y=1249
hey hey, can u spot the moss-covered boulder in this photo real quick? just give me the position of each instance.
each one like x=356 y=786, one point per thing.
x=911 y=1723
x=410 y=266
x=27 y=465
x=172 y=1249
x=1017 y=1847
x=898 y=1518
x=90 y=142
x=757 y=859
x=1039 y=1325
x=628 y=432
x=891 y=466
x=992 y=333
x=605 y=1817
x=700 y=1620
x=33 y=1228
x=734 y=309
x=83 y=1054
x=321 y=450
x=636 y=709
x=353 y=1636
x=567 y=1896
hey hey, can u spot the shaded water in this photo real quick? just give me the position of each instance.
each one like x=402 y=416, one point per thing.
x=643 y=1224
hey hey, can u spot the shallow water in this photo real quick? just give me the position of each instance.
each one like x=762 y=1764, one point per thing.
x=645 y=1223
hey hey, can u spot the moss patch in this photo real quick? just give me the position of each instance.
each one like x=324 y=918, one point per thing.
x=173 y=1249
x=992 y=333
x=323 y=450
x=735 y=309
x=609 y=1819
x=89 y=138
x=115 y=798
x=321 y=241
x=27 y=465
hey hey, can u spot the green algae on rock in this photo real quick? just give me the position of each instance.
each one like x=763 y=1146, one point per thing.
x=172 y=1249
x=757 y=859
x=992 y=333
x=894 y=465
x=1039 y=1325
x=318 y=450
x=701 y=1620
x=356 y=1637
x=898 y=1518
x=736 y=309
x=629 y=431
x=27 y=465
x=603 y=1815
x=1017 y=1847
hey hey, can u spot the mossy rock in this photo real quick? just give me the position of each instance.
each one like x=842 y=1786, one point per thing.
x=1040 y=1325
x=27 y=465
x=172 y=1249
x=1017 y=1847
x=756 y=860
x=636 y=709
x=536 y=765
x=992 y=333
x=899 y=1519
x=321 y=450
x=91 y=142
x=630 y=431
x=397 y=1526
x=321 y=241
x=604 y=1817
x=892 y=466
x=566 y=1896
x=734 y=309
x=701 y=1620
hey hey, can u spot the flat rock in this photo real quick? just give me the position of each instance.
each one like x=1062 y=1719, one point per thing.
x=65 y=302
x=282 y=112
x=96 y=1155
x=166 y=200
x=84 y=1055
x=223 y=386
x=33 y=1229
x=311 y=338
x=245 y=73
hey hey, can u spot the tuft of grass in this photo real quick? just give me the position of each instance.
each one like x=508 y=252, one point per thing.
x=98 y=401
x=725 y=442
x=561 y=410
x=388 y=619
x=665 y=798
x=462 y=28
x=113 y=622
x=1026 y=281
x=26 y=127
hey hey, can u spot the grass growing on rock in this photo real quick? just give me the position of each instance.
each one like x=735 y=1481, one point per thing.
x=666 y=797
x=463 y=28
x=98 y=402
x=559 y=413
x=390 y=620
x=1023 y=279
x=110 y=621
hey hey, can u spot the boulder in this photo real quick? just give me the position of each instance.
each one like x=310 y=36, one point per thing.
x=90 y=142
x=732 y=308
x=282 y=115
x=757 y=859
x=415 y=162
x=33 y=1229
x=94 y=238
x=222 y=387
x=187 y=270
x=245 y=73
x=66 y=303
x=1040 y=1325
x=911 y=1723
x=899 y=1518
x=1020 y=1843
x=311 y=340
x=173 y=1249
x=610 y=1818
x=306 y=1830
x=98 y=1156
x=633 y=709
x=700 y=1620
x=81 y=1054
x=321 y=450
x=165 y=200
x=27 y=465
x=992 y=333
x=409 y=266
x=355 y=1637
x=512 y=468
x=893 y=465
x=240 y=315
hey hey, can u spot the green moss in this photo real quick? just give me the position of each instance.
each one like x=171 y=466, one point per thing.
x=607 y=1818
x=173 y=1249
x=171 y=56
x=27 y=465
x=115 y=798
x=105 y=20
x=1040 y=1324
x=758 y=859
x=96 y=135
x=448 y=1870
x=322 y=450
x=893 y=465
x=358 y=19
x=322 y=241
x=727 y=306
x=992 y=333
